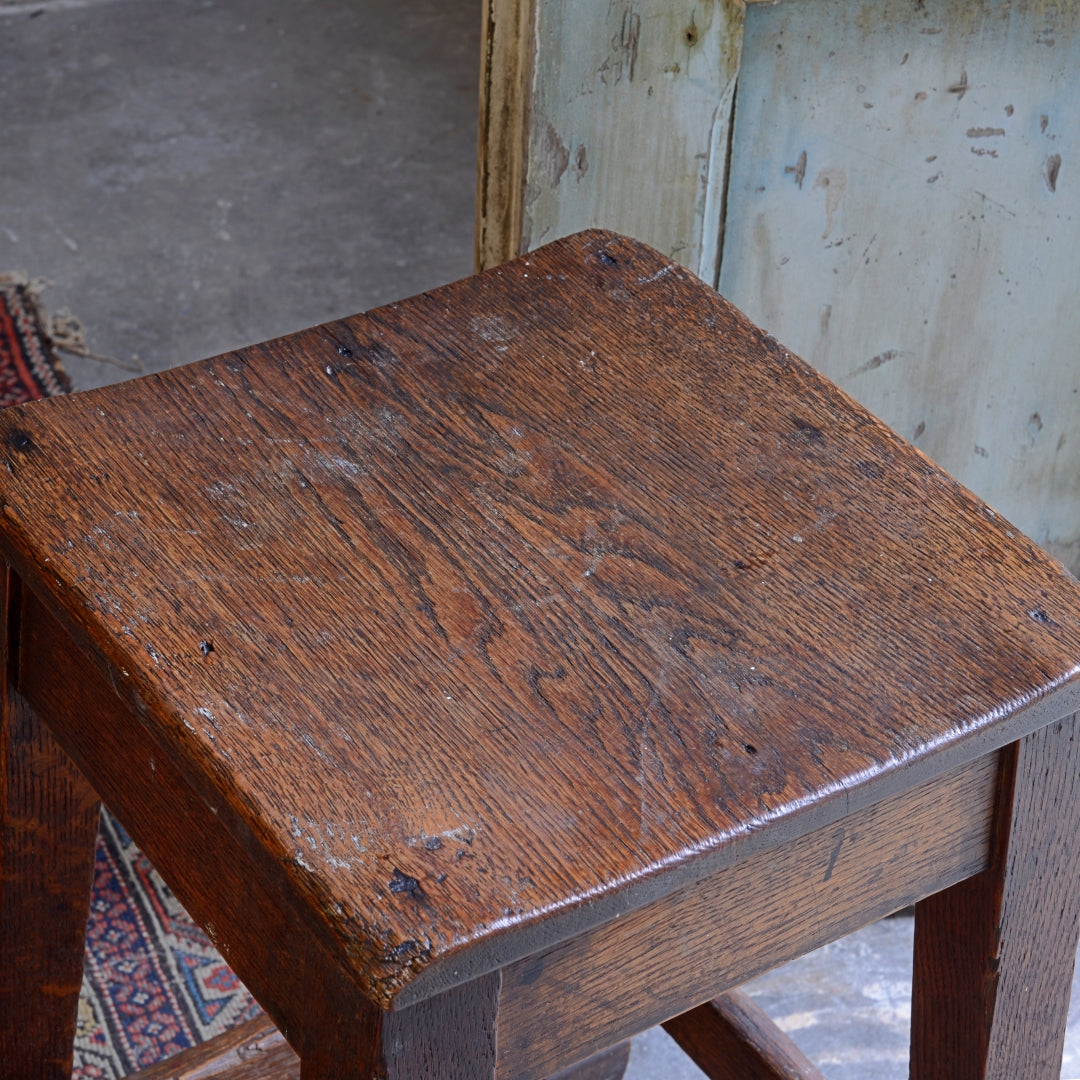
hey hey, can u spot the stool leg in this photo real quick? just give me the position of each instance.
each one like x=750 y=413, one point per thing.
x=994 y=955
x=448 y=1037
x=607 y=1065
x=48 y=825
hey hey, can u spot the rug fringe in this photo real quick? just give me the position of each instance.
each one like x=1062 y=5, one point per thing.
x=64 y=330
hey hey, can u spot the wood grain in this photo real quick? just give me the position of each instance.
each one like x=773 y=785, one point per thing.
x=495 y=580
x=48 y=825
x=607 y=1065
x=994 y=955
x=601 y=76
x=551 y=593
x=732 y=1038
x=238 y=896
x=244 y=907
x=447 y=1037
x=756 y=914
x=255 y=1050
x=505 y=74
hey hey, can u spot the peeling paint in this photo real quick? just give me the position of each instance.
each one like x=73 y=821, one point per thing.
x=603 y=77
x=554 y=156
x=1051 y=169
x=959 y=175
x=798 y=169
x=581 y=162
x=832 y=181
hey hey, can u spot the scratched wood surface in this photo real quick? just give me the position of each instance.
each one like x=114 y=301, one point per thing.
x=254 y=1050
x=897 y=204
x=902 y=212
x=495 y=612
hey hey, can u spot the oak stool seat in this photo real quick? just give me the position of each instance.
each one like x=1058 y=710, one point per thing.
x=504 y=671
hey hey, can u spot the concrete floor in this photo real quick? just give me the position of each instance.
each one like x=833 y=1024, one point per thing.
x=196 y=175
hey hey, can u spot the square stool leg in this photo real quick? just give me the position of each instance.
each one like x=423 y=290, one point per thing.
x=448 y=1037
x=994 y=954
x=48 y=825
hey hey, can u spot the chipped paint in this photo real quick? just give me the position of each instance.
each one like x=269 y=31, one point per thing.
x=647 y=94
x=930 y=266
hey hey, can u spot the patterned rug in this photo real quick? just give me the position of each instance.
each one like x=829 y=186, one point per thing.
x=29 y=368
x=152 y=982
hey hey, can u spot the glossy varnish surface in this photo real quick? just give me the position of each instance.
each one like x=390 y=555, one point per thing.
x=534 y=585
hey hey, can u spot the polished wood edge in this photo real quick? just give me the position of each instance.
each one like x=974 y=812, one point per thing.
x=469 y=962
x=716 y=934
x=524 y=941
x=468 y=958
x=732 y=1038
x=228 y=888
x=255 y=1050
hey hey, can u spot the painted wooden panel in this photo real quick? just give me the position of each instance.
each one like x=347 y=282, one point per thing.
x=627 y=125
x=904 y=212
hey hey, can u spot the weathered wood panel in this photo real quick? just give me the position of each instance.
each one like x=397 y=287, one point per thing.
x=506 y=63
x=626 y=127
x=903 y=213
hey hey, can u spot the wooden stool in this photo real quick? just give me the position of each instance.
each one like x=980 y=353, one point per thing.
x=510 y=669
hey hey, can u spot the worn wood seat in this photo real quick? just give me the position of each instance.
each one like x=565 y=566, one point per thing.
x=510 y=669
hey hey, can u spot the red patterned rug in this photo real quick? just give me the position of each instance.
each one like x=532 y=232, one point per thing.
x=152 y=982
x=29 y=368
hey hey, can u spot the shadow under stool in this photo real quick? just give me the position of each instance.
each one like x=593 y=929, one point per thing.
x=505 y=671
